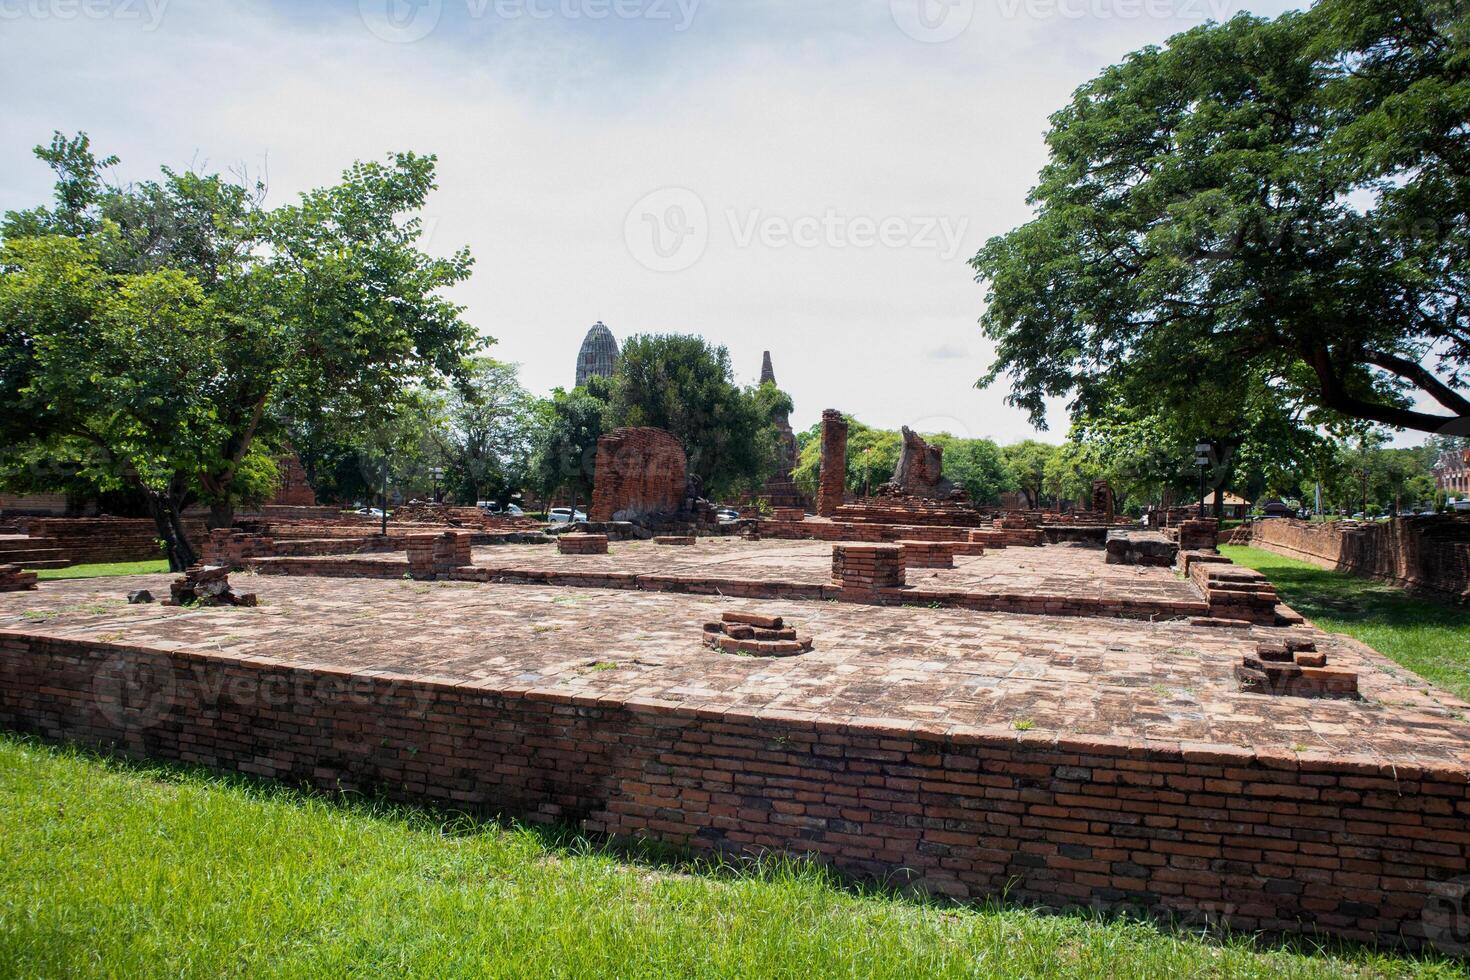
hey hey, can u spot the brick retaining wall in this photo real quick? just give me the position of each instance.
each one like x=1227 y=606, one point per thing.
x=1431 y=554
x=1269 y=841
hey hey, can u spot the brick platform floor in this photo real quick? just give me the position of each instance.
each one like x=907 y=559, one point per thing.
x=1069 y=677
x=1077 y=578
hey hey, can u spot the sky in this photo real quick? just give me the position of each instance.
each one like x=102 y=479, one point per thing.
x=808 y=177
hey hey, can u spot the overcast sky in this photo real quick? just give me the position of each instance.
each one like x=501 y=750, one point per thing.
x=807 y=177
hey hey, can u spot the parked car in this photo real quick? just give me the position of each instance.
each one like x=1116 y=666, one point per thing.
x=488 y=506
x=369 y=512
x=726 y=514
x=563 y=515
x=511 y=510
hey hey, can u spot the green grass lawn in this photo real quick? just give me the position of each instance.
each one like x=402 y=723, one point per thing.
x=1430 y=638
x=104 y=570
x=121 y=869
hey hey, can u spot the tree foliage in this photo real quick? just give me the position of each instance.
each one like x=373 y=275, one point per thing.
x=1275 y=205
x=686 y=386
x=169 y=334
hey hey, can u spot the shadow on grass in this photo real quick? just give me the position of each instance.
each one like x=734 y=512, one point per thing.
x=1318 y=592
x=566 y=842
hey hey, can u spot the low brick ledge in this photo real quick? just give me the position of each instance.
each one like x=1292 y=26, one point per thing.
x=1263 y=840
x=1020 y=603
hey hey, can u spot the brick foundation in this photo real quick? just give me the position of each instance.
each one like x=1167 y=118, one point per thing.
x=432 y=556
x=927 y=554
x=582 y=544
x=867 y=567
x=1267 y=841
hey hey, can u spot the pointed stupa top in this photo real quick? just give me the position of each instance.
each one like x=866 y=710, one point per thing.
x=768 y=374
x=598 y=357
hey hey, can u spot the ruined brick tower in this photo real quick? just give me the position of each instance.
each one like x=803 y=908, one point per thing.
x=599 y=354
x=780 y=489
x=832 y=478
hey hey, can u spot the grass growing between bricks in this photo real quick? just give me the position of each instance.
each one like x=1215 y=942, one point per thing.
x=124 y=869
x=1430 y=638
x=156 y=567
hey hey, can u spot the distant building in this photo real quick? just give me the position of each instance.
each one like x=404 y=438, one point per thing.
x=780 y=488
x=1452 y=471
x=598 y=357
x=1233 y=507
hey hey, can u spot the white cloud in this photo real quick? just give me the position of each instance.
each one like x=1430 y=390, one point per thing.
x=550 y=130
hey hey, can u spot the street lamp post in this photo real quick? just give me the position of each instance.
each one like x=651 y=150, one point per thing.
x=437 y=473
x=1202 y=460
x=384 y=503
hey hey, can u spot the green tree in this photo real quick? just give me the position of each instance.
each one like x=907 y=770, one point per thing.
x=872 y=456
x=564 y=454
x=233 y=325
x=486 y=439
x=685 y=386
x=1284 y=201
x=1027 y=461
x=975 y=464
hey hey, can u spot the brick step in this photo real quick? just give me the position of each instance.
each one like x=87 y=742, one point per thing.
x=33 y=565
x=8 y=553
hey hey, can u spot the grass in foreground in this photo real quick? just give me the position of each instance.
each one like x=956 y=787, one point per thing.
x=111 y=868
x=1430 y=638
x=104 y=570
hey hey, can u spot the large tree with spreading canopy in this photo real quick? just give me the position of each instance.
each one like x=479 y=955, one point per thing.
x=1267 y=211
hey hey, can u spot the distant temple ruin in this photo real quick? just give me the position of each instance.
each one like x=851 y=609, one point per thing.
x=780 y=488
x=920 y=471
x=598 y=357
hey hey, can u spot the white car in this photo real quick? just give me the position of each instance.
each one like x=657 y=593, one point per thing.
x=563 y=515
x=726 y=514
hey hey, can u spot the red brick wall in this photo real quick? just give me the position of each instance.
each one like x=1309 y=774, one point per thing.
x=832 y=472
x=639 y=471
x=85 y=540
x=1427 y=553
x=1268 y=840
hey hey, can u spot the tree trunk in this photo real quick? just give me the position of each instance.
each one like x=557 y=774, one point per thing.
x=221 y=515
x=164 y=510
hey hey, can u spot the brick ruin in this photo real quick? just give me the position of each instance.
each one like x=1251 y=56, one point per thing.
x=1199 y=535
x=920 y=471
x=867 y=567
x=1293 y=667
x=640 y=472
x=13 y=578
x=206 y=585
x=832 y=477
x=755 y=634
x=1136 y=547
x=582 y=544
x=432 y=556
x=1103 y=502
x=928 y=554
x=780 y=490
x=1426 y=554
